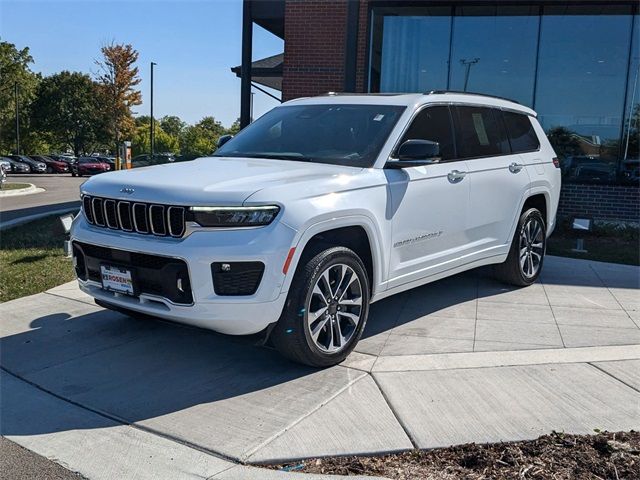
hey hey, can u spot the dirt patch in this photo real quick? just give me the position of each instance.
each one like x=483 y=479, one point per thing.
x=614 y=456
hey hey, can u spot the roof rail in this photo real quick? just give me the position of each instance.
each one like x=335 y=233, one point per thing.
x=438 y=92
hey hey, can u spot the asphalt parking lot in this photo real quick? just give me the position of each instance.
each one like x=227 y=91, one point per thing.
x=61 y=192
x=461 y=360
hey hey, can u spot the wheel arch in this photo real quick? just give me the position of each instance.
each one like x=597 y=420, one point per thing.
x=357 y=233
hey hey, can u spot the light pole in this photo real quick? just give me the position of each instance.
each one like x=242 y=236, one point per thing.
x=16 y=88
x=252 y=94
x=468 y=64
x=153 y=126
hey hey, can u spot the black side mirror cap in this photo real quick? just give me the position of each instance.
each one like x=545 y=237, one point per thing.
x=419 y=150
x=223 y=139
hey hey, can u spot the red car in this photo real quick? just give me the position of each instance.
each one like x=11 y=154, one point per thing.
x=53 y=166
x=88 y=166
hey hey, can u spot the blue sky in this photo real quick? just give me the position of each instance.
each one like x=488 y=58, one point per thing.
x=194 y=43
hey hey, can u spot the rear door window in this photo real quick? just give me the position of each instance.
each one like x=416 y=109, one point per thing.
x=433 y=124
x=522 y=136
x=479 y=133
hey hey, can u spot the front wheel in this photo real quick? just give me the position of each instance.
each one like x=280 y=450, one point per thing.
x=326 y=309
x=526 y=256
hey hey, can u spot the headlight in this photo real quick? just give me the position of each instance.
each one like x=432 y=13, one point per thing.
x=234 y=216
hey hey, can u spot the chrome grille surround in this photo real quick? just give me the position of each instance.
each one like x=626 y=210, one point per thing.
x=143 y=218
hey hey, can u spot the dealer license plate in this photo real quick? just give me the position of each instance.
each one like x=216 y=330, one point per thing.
x=116 y=279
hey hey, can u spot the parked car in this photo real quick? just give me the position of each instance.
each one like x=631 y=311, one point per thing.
x=319 y=208
x=16 y=167
x=109 y=161
x=147 y=160
x=53 y=166
x=36 y=166
x=88 y=166
x=62 y=158
x=5 y=164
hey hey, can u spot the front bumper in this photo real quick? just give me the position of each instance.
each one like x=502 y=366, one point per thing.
x=236 y=315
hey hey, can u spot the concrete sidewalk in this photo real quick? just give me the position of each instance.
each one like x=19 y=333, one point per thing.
x=461 y=360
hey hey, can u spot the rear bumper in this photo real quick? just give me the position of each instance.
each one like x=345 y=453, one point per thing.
x=236 y=315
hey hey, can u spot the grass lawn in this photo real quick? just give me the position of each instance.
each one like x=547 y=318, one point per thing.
x=603 y=244
x=32 y=259
x=14 y=186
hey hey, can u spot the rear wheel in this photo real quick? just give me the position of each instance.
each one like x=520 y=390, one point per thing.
x=528 y=247
x=326 y=309
x=49 y=170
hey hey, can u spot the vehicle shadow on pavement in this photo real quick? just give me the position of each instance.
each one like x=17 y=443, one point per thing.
x=211 y=389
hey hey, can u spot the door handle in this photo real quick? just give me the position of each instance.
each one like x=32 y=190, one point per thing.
x=456 y=176
x=515 y=167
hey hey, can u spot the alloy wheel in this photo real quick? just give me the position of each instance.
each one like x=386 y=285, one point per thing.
x=334 y=308
x=531 y=247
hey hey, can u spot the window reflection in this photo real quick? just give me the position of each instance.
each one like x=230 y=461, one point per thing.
x=416 y=44
x=576 y=65
x=581 y=87
x=494 y=51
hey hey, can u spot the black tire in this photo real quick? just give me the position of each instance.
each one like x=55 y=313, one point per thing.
x=73 y=174
x=49 y=170
x=511 y=270
x=292 y=336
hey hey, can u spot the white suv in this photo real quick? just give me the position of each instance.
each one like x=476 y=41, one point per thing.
x=319 y=208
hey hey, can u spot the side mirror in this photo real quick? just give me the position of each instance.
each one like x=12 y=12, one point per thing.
x=223 y=139
x=416 y=153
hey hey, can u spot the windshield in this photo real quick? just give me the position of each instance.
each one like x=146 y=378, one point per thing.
x=349 y=135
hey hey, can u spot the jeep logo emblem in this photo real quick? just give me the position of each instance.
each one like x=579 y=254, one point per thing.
x=127 y=190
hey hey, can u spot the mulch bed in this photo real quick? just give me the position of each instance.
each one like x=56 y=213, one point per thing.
x=614 y=456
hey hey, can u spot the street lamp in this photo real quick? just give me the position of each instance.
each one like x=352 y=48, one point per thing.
x=468 y=64
x=17 y=89
x=153 y=127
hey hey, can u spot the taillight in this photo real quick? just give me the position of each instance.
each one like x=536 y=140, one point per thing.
x=556 y=162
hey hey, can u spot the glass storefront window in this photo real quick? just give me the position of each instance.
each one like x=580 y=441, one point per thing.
x=582 y=77
x=576 y=65
x=494 y=51
x=629 y=151
x=411 y=49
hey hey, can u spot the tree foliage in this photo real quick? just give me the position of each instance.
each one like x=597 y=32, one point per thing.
x=165 y=143
x=68 y=107
x=118 y=78
x=201 y=138
x=15 y=69
x=172 y=125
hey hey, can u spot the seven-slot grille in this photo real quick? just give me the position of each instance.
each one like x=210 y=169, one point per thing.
x=146 y=218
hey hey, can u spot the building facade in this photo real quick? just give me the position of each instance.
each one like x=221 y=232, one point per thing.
x=575 y=63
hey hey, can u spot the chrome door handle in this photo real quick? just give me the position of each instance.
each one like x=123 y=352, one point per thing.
x=515 y=167
x=455 y=176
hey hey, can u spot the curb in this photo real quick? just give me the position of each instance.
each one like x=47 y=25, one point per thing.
x=36 y=216
x=21 y=191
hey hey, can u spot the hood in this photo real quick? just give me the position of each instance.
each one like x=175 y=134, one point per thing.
x=209 y=181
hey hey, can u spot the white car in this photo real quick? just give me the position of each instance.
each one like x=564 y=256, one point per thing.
x=319 y=208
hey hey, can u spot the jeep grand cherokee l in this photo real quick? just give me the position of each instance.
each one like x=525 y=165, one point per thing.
x=319 y=208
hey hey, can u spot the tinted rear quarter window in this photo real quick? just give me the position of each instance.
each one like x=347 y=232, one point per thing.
x=522 y=136
x=479 y=133
x=434 y=124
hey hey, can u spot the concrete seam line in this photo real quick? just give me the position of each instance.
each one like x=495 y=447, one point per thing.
x=91 y=304
x=386 y=340
x=245 y=457
x=514 y=358
x=553 y=314
x=611 y=293
x=123 y=421
x=404 y=427
x=609 y=374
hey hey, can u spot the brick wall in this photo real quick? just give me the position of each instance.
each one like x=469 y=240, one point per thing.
x=314 y=47
x=601 y=202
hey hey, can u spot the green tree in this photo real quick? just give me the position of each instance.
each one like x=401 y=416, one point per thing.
x=172 y=125
x=234 y=128
x=67 y=107
x=15 y=69
x=118 y=79
x=141 y=142
x=564 y=142
x=201 y=138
